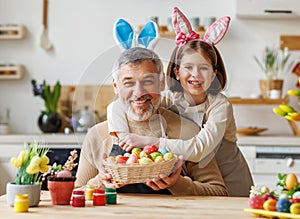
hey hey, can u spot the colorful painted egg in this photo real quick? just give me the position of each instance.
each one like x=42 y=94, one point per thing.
x=158 y=159
x=144 y=154
x=154 y=155
x=270 y=205
x=256 y=202
x=132 y=159
x=150 y=149
x=268 y=196
x=168 y=156
x=145 y=160
x=126 y=154
x=291 y=181
x=296 y=194
x=283 y=205
x=295 y=208
x=136 y=152
x=64 y=173
x=163 y=151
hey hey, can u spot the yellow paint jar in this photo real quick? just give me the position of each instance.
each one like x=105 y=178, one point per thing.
x=21 y=203
x=89 y=193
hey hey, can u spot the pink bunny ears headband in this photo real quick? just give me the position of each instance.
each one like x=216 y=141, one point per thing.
x=184 y=32
x=126 y=36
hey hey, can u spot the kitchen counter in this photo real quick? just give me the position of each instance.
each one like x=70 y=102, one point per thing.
x=269 y=140
x=139 y=206
x=50 y=139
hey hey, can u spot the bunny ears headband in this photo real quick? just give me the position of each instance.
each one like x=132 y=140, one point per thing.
x=126 y=36
x=184 y=32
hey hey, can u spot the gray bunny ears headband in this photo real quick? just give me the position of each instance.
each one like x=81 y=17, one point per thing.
x=126 y=36
x=184 y=32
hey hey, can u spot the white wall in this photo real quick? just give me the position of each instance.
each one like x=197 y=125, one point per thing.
x=81 y=31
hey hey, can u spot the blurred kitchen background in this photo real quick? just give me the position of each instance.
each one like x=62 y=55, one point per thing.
x=81 y=32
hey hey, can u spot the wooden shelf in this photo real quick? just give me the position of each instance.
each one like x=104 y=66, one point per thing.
x=291 y=42
x=11 y=72
x=13 y=31
x=258 y=101
x=263 y=101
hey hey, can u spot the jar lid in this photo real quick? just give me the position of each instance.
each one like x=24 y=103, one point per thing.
x=78 y=192
x=99 y=191
x=110 y=189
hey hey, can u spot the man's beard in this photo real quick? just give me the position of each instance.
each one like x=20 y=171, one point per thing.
x=143 y=114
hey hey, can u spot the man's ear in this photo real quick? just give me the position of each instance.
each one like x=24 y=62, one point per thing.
x=162 y=82
x=116 y=88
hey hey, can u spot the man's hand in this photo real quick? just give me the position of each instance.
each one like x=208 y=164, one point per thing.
x=128 y=141
x=165 y=182
x=106 y=178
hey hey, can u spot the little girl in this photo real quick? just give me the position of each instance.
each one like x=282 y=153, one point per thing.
x=196 y=76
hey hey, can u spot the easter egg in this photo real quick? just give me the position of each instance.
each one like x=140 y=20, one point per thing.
x=270 y=205
x=154 y=155
x=168 y=156
x=268 y=196
x=136 y=152
x=126 y=154
x=64 y=173
x=163 y=151
x=295 y=200
x=145 y=160
x=121 y=159
x=283 y=205
x=158 y=159
x=295 y=208
x=291 y=181
x=144 y=154
x=256 y=202
x=132 y=159
x=296 y=194
x=150 y=149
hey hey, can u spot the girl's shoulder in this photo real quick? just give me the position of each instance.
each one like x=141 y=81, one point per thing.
x=218 y=99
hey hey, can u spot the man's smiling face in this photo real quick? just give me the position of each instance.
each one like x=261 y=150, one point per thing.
x=139 y=88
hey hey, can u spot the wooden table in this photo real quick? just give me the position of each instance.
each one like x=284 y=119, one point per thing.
x=138 y=206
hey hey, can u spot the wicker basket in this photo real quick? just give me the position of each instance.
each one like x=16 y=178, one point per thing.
x=138 y=173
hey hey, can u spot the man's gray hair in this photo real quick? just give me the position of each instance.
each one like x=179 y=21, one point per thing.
x=137 y=55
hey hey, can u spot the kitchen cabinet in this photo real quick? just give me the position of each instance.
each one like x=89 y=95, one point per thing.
x=11 y=145
x=11 y=72
x=269 y=155
x=267 y=9
x=12 y=31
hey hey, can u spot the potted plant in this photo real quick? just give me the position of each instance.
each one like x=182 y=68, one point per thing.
x=272 y=63
x=60 y=182
x=49 y=120
x=31 y=162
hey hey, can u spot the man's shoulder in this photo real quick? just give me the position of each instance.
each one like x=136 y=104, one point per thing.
x=100 y=129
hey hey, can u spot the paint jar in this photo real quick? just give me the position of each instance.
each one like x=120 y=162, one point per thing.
x=21 y=203
x=99 y=197
x=78 y=198
x=89 y=193
x=111 y=195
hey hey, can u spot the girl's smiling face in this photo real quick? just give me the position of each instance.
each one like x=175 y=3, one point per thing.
x=195 y=75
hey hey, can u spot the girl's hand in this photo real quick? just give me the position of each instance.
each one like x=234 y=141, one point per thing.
x=128 y=141
x=165 y=182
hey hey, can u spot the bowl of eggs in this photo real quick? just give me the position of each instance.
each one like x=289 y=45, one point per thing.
x=141 y=165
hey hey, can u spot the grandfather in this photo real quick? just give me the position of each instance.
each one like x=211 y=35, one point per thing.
x=138 y=79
